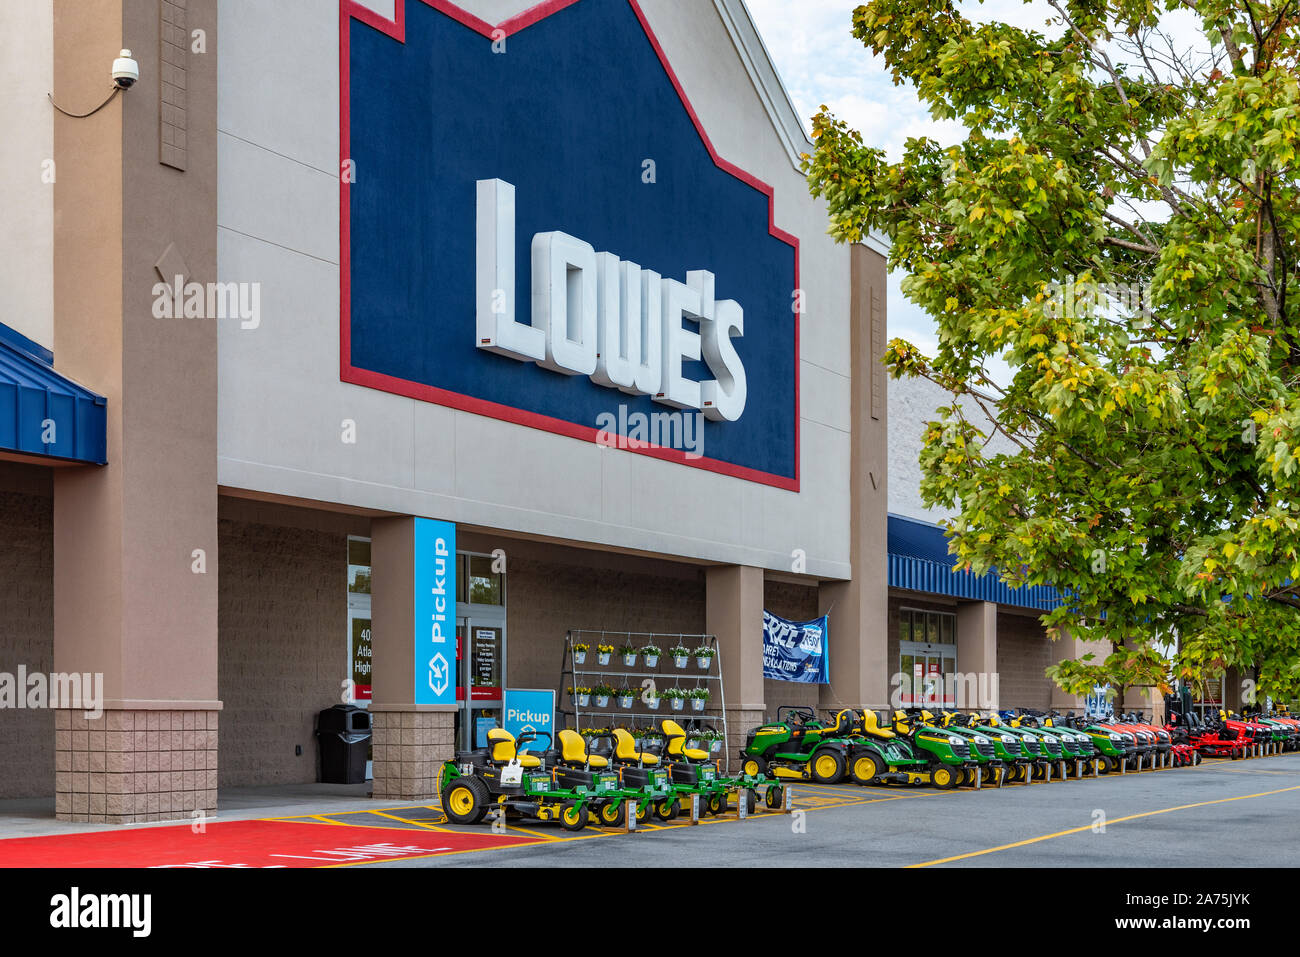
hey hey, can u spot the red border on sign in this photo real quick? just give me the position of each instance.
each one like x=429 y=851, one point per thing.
x=396 y=28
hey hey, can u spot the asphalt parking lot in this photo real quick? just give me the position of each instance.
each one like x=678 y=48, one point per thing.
x=1164 y=818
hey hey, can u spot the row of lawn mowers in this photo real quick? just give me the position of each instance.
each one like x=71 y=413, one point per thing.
x=954 y=749
x=575 y=782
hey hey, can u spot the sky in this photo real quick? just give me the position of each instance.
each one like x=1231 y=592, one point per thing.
x=812 y=45
x=813 y=48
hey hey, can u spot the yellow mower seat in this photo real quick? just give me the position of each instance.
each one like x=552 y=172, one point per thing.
x=503 y=749
x=573 y=750
x=676 y=736
x=871 y=725
x=625 y=749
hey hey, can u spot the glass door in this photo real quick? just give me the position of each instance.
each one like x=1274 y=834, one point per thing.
x=480 y=648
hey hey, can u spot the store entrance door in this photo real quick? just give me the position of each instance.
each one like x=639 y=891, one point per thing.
x=481 y=669
x=926 y=672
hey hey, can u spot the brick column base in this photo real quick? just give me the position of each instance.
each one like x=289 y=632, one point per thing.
x=739 y=723
x=134 y=765
x=409 y=748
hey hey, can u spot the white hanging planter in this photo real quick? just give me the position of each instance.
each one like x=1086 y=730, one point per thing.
x=603 y=657
x=680 y=660
x=652 y=703
x=602 y=701
x=697 y=704
x=704 y=662
x=715 y=745
x=651 y=661
x=679 y=703
x=625 y=701
x=579 y=657
x=583 y=700
x=629 y=661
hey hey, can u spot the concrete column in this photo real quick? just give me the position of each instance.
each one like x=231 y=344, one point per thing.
x=734 y=613
x=1068 y=647
x=135 y=542
x=410 y=741
x=977 y=654
x=859 y=608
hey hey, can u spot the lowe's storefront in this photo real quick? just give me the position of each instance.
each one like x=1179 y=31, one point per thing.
x=540 y=343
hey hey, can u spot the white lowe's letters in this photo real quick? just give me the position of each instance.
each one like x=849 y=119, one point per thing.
x=596 y=315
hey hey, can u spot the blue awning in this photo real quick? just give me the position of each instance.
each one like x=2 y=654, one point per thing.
x=37 y=403
x=919 y=561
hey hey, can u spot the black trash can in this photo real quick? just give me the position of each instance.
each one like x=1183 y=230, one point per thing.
x=344 y=735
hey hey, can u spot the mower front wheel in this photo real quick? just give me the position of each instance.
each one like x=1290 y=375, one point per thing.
x=573 y=816
x=666 y=809
x=717 y=803
x=943 y=777
x=827 y=766
x=753 y=766
x=465 y=800
x=773 y=797
x=611 y=814
x=866 y=768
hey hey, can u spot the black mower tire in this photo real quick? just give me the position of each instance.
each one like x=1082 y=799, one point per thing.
x=865 y=768
x=943 y=777
x=773 y=797
x=826 y=766
x=753 y=766
x=466 y=800
x=611 y=814
x=751 y=801
x=573 y=816
x=643 y=812
x=716 y=804
x=666 y=809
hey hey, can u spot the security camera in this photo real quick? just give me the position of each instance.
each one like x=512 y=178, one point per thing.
x=125 y=71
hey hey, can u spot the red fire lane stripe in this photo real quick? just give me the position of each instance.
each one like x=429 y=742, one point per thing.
x=244 y=844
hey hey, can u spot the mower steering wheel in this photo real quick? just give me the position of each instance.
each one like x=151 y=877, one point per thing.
x=796 y=714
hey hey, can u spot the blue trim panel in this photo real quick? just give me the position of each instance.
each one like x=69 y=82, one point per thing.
x=31 y=392
x=14 y=338
x=919 y=561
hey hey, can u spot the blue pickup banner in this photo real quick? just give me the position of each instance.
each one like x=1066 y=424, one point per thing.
x=528 y=710
x=796 y=650
x=435 y=612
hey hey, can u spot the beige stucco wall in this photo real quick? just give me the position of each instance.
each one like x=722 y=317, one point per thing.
x=27 y=118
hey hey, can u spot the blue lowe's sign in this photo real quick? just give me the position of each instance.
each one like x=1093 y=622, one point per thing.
x=528 y=710
x=435 y=612
x=536 y=227
x=796 y=650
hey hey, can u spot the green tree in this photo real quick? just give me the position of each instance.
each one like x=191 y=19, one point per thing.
x=1119 y=226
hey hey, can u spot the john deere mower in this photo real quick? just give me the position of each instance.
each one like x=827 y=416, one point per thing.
x=798 y=746
x=989 y=767
x=936 y=756
x=880 y=756
x=518 y=785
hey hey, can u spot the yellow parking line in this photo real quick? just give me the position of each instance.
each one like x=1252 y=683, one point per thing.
x=1089 y=827
x=404 y=807
x=394 y=817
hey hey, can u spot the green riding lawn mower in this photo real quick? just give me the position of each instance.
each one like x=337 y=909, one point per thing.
x=952 y=749
x=575 y=784
x=800 y=746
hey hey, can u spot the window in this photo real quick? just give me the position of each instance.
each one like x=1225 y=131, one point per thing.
x=486 y=587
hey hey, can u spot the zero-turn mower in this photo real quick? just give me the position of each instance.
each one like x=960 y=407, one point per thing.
x=517 y=786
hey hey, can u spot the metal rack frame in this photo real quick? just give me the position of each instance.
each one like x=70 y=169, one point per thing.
x=665 y=674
